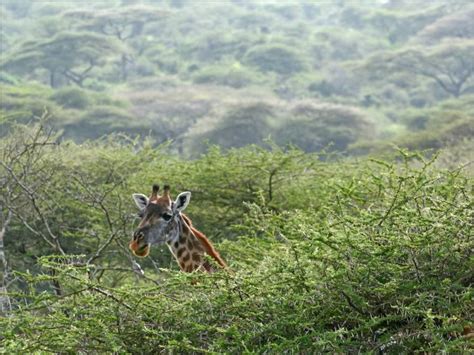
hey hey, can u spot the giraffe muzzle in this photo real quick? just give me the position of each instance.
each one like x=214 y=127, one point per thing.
x=138 y=246
x=139 y=250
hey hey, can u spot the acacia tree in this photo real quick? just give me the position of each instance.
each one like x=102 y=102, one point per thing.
x=72 y=55
x=125 y=24
x=450 y=65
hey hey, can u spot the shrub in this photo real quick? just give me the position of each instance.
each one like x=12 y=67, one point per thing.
x=366 y=256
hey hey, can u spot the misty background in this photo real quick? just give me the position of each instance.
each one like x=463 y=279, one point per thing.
x=356 y=77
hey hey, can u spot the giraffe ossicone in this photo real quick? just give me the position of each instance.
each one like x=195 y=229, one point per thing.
x=162 y=222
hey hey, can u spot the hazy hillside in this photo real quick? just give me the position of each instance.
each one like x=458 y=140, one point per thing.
x=234 y=72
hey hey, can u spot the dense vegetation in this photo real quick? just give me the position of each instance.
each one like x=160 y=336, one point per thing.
x=327 y=256
x=283 y=121
x=234 y=72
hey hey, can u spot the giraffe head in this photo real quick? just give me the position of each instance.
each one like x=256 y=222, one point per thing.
x=159 y=215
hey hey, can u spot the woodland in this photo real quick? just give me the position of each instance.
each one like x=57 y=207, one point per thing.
x=328 y=147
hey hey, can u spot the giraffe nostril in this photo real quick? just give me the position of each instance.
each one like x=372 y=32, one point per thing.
x=138 y=236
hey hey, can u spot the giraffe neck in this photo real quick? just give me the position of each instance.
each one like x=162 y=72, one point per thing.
x=186 y=248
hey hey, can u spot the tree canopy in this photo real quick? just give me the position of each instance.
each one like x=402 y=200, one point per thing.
x=72 y=55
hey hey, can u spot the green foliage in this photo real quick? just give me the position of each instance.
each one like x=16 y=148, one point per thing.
x=275 y=58
x=328 y=253
x=399 y=26
x=384 y=56
x=102 y=120
x=448 y=65
x=242 y=126
x=218 y=46
x=315 y=127
x=446 y=126
x=24 y=103
x=72 y=54
x=367 y=256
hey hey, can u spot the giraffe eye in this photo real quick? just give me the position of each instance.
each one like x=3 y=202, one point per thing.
x=166 y=216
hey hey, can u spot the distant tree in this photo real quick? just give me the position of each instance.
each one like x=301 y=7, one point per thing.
x=124 y=23
x=102 y=120
x=216 y=46
x=249 y=124
x=71 y=54
x=450 y=65
x=457 y=25
x=275 y=58
x=335 y=80
x=313 y=127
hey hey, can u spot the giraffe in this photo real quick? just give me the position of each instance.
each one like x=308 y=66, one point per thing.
x=163 y=222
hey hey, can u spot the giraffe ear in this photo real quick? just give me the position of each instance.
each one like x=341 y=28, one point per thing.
x=182 y=201
x=140 y=200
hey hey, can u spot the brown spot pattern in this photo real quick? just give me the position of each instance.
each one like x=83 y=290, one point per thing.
x=190 y=244
x=180 y=252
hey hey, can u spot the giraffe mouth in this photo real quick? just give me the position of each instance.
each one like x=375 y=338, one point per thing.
x=142 y=251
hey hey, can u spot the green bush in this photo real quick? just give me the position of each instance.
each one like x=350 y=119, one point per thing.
x=366 y=256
